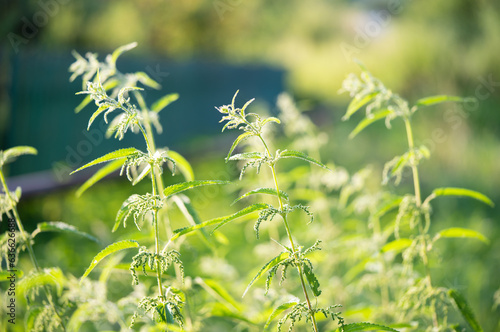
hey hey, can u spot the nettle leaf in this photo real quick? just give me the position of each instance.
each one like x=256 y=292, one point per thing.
x=270 y=119
x=301 y=155
x=48 y=276
x=183 y=165
x=59 y=226
x=465 y=310
x=146 y=80
x=397 y=245
x=354 y=327
x=368 y=121
x=118 y=154
x=247 y=156
x=186 y=230
x=460 y=192
x=112 y=248
x=312 y=280
x=237 y=141
x=272 y=263
x=433 y=100
x=249 y=209
x=164 y=101
x=120 y=50
x=11 y=154
x=267 y=191
x=279 y=309
x=456 y=232
x=357 y=102
x=100 y=174
x=180 y=187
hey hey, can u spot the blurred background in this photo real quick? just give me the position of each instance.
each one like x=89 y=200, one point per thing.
x=206 y=50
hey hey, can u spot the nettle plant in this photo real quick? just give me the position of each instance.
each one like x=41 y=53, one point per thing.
x=292 y=255
x=424 y=303
x=44 y=291
x=99 y=78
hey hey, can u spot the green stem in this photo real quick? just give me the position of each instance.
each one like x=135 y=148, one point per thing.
x=418 y=202
x=288 y=232
x=157 y=234
x=26 y=240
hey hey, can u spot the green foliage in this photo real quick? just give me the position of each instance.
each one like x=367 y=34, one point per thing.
x=58 y=226
x=11 y=154
x=292 y=256
x=465 y=310
x=422 y=301
x=180 y=187
x=112 y=248
x=267 y=191
x=154 y=261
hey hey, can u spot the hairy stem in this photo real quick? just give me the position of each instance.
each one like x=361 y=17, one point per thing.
x=288 y=232
x=27 y=240
x=418 y=202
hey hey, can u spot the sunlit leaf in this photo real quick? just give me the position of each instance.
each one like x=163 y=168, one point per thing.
x=249 y=209
x=11 y=154
x=186 y=230
x=180 y=187
x=247 y=156
x=146 y=80
x=269 y=265
x=461 y=192
x=59 y=226
x=301 y=155
x=120 y=245
x=271 y=119
x=278 y=310
x=433 y=100
x=121 y=50
x=267 y=191
x=397 y=245
x=358 y=102
x=368 y=121
x=164 y=101
x=121 y=153
x=236 y=142
x=100 y=174
x=456 y=232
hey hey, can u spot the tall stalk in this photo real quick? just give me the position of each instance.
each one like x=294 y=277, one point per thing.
x=293 y=256
x=381 y=103
x=290 y=238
